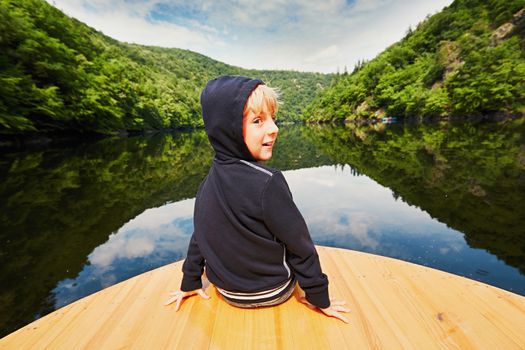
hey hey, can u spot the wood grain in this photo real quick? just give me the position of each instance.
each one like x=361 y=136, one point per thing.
x=394 y=305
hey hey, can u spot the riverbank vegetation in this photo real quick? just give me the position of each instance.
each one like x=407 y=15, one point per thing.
x=58 y=74
x=468 y=59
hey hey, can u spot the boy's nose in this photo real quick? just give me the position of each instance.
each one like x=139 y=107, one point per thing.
x=272 y=128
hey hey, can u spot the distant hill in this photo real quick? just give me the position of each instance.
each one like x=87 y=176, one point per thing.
x=469 y=59
x=57 y=73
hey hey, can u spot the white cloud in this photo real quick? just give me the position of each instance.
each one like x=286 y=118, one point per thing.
x=271 y=34
x=128 y=23
x=361 y=202
x=153 y=230
x=345 y=223
x=153 y=218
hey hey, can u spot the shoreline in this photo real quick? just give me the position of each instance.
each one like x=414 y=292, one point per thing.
x=43 y=140
x=490 y=117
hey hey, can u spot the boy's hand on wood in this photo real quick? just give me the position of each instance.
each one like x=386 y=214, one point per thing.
x=177 y=297
x=334 y=310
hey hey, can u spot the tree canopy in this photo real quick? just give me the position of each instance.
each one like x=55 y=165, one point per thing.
x=57 y=73
x=468 y=59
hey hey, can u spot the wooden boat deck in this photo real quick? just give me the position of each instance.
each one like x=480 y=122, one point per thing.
x=394 y=305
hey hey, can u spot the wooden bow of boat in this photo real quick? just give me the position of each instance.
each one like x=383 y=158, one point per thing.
x=394 y=305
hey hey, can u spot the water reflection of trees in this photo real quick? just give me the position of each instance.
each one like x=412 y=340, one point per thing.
x=59 y=204
x=469 y=176
x=293 y=151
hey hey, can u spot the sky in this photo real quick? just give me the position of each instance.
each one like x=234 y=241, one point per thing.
x=312 y=35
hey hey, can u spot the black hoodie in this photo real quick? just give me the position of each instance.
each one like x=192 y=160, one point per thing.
x=248 y=231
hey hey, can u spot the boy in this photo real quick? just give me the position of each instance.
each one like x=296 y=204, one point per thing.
x=247 y=230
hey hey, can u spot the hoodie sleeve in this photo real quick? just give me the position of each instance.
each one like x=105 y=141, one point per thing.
x=286 y=222
x=192 y=268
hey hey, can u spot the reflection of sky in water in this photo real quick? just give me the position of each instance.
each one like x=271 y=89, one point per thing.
x=355 y=212
x=341 y=210
x=156 y=237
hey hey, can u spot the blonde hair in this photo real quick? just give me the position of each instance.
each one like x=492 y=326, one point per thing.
x=262 y=94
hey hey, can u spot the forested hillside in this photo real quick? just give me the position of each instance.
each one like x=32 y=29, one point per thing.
x=468 y=59
x=57 y=73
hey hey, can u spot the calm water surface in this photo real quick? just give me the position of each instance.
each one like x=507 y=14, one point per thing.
x=76 y=220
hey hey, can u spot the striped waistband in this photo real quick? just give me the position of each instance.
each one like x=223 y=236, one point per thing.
x=258 y=296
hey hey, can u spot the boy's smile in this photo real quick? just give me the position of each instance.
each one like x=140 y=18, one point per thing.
x=259 y=132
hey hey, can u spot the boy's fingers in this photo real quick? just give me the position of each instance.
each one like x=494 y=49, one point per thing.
x=340 y=308
x=333 y=312
x=178 y=296
x=341 y=317
x=179 y=300
x=170 y=301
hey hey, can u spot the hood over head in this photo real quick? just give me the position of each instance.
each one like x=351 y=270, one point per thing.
x=223 y=100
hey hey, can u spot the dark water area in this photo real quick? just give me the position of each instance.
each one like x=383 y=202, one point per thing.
x=76 y=219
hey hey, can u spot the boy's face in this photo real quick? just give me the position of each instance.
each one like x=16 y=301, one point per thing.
x=259 y=132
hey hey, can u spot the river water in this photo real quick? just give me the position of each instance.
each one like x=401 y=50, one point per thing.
x=78 y=219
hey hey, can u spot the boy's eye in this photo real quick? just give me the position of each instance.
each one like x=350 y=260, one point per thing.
x=257 y=120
